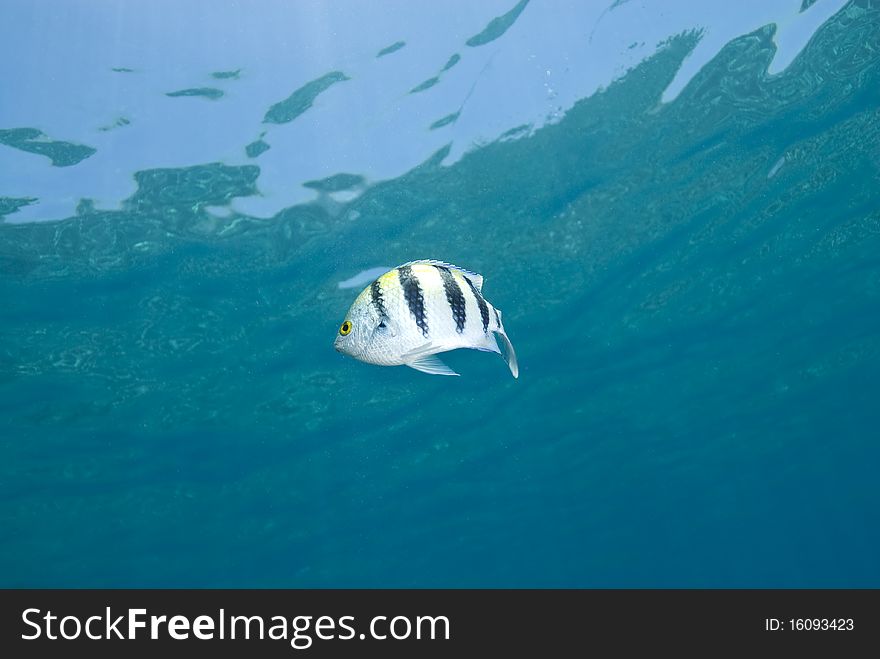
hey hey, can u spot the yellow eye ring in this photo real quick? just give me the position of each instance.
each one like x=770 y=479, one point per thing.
x=345 y=328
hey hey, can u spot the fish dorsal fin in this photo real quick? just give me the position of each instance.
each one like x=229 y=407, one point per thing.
x=476 y=278
x=431 y=364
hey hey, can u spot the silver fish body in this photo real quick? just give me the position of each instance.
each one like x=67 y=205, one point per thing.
x=417 y=310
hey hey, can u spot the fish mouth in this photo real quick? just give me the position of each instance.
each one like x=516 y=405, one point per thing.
x=339 y=347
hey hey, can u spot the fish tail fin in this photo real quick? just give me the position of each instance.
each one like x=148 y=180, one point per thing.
x=507 y=350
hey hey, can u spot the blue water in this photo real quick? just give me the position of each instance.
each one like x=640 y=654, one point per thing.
x=693 y=290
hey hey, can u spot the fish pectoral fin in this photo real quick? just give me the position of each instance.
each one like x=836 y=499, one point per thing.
x=430 y=364
x=417 y=353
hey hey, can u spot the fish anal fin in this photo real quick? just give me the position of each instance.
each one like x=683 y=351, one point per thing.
x=430 y=364
x=489 y=344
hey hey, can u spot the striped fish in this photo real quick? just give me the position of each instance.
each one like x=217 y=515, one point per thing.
x=417 y=310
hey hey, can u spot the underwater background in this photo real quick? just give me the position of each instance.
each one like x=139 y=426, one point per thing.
x=686 y=252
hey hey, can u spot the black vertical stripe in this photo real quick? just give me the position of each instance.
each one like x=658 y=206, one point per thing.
x=412 y=293
x=497 y=318
x=484 y=308
x=378 y=301
x=454 y=296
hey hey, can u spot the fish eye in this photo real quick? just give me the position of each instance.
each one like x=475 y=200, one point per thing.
x=382 y=324
x=345 y=328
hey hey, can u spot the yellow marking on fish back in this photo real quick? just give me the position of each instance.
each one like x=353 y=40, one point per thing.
x=389 y=278
x=429 y=280
x=459 y=277
x=364 y=297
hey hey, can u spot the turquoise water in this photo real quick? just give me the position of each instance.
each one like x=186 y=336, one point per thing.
x=693 y=290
